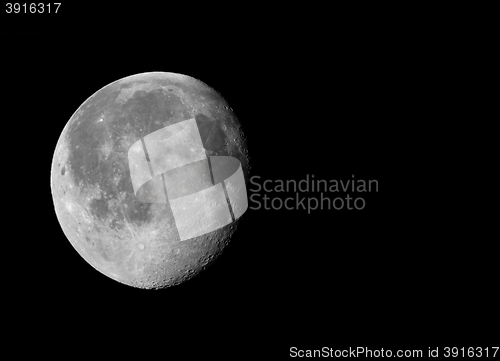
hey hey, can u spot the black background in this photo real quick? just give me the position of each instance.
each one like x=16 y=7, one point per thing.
x=318 y=98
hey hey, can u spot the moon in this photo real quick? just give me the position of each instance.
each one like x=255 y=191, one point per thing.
x=134 y=242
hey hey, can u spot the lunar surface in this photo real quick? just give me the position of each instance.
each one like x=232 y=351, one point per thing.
x=126 y=238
